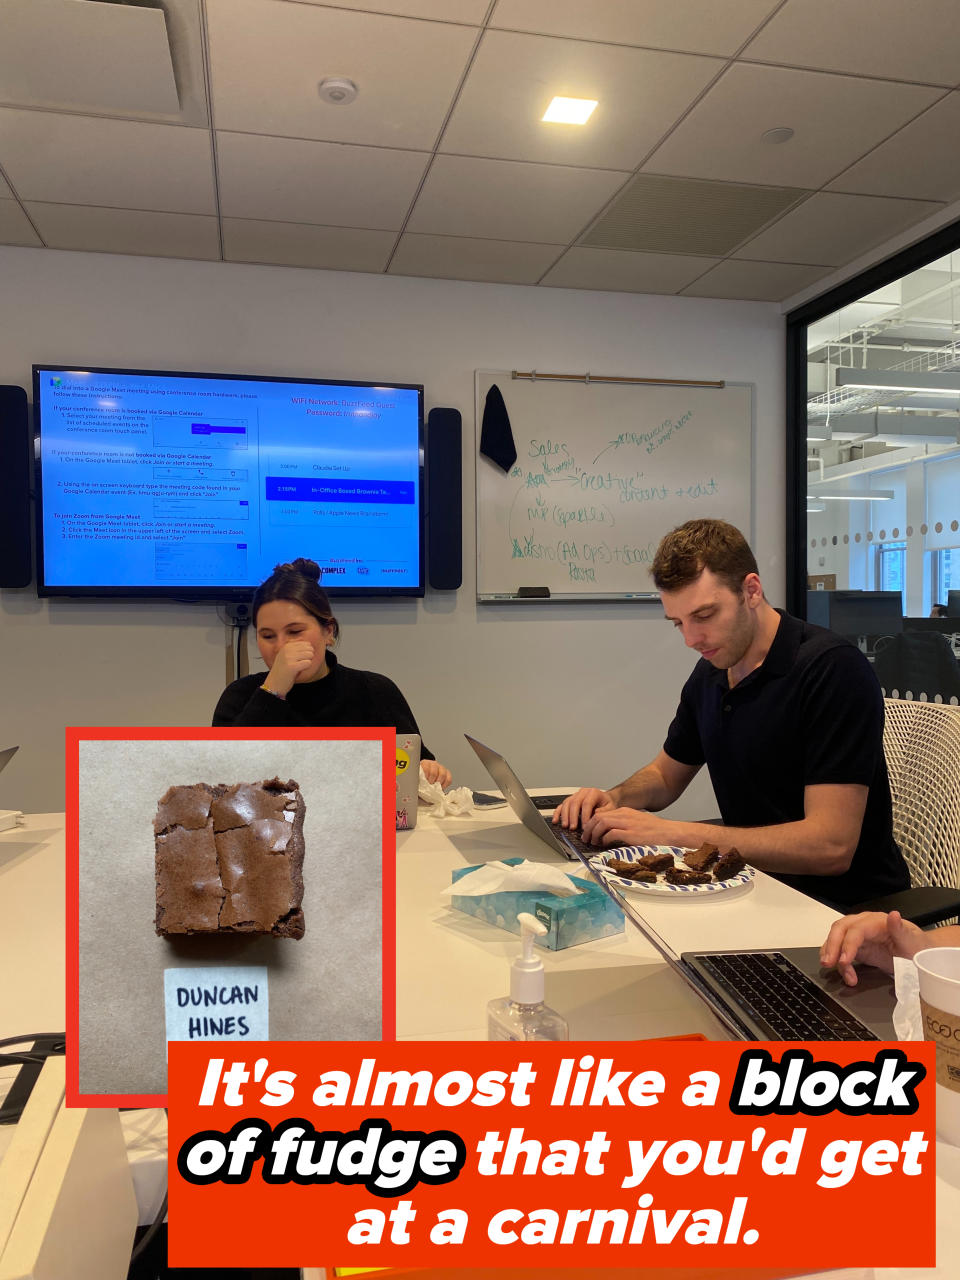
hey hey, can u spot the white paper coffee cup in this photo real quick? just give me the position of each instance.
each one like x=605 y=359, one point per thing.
x=939 y=970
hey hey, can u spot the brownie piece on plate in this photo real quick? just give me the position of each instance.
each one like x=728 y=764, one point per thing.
x=679 y=875
x=730 y=864
x=702 y=859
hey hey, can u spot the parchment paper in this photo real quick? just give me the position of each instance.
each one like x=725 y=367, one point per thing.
x=325 y=986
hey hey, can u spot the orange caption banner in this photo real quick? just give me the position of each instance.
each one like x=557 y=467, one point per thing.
x=645 y=1154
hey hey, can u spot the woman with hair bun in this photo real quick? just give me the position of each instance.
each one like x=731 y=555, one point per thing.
x=304 y=683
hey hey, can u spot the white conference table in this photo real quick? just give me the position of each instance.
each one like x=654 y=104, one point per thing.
x=449 y=965
x=33 y=980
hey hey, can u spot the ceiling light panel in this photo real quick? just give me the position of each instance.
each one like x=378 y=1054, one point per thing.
x=266 y=61
x=897 y=380
x=569 y=110
x=677 y=215
x=823 y=491
x=513 y=77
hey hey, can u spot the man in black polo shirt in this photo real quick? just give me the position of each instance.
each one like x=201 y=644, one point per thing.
x=788 y=719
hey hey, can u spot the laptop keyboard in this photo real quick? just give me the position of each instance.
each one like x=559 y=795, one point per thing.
x=584 y=846
x=782 y=997
x=550 y=802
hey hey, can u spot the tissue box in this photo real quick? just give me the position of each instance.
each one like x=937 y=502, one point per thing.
x=580 y=918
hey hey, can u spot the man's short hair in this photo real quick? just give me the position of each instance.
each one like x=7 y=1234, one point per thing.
x=684 y=553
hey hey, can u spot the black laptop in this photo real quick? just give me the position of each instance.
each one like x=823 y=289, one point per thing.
x=757 y=995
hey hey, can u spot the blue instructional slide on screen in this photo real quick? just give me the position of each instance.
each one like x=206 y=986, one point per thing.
x=154 y=480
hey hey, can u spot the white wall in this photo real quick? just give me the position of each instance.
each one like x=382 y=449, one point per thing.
x=570 y=694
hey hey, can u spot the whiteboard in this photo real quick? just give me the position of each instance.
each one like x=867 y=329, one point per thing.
x=603 y=471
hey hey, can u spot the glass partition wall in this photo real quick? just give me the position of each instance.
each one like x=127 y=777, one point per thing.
x=874 y=456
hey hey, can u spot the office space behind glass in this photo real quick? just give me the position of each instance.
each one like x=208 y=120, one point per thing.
x=883 y=462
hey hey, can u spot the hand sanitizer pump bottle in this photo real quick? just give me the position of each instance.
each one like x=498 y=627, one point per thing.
x=522 y=1015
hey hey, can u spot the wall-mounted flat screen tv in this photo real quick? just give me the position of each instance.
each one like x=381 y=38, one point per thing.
x=192 y=486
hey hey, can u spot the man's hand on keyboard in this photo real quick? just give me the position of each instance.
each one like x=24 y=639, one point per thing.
x=875 y=937
x=579 y=807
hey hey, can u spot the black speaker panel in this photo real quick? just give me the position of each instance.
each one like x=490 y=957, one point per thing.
x=15 y=567
x=444 y=500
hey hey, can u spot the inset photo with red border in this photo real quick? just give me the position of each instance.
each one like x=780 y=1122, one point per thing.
x=192 y=910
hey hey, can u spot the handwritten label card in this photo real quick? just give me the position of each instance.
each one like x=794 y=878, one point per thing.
x=225 y=1002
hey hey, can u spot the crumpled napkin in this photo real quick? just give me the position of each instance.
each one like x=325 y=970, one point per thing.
x=525 y=877
x=907 y=1018
x=457 y=802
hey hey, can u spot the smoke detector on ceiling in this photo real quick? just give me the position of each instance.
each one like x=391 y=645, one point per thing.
x=338 y=91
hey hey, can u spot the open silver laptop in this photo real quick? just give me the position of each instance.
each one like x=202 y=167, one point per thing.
x=757 y=995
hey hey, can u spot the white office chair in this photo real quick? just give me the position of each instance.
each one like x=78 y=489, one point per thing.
x=921 y=742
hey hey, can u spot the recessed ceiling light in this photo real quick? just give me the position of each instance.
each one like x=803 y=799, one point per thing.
x=782 y=134
x=569 y=110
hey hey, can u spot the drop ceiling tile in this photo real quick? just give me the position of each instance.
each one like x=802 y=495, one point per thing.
x=697 y=26
x=626 y=272
x=914 y=162
x=15 y=226
x=460 y=258
x=835 y=119
x=268 y=56
x=326 y=183
x=506 y=200
x=5 y=192
x=120 y=164
x=755 y=281
x=830 y=230
x=153 y=235
x=293 y=244
x=681 y=215
x=513 y=78
x=91 y=57
x=470 y=11
x=918 y=41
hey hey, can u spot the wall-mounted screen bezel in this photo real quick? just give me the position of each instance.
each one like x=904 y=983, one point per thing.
x=324 y=393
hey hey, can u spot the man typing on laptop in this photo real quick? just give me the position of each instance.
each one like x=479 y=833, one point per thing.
x=787 y=717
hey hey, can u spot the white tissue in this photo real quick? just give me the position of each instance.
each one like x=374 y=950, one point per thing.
x=525 y=877
x=457 y=802
x=907 y=1021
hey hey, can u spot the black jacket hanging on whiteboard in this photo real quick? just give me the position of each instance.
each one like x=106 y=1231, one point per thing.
x=496 y=435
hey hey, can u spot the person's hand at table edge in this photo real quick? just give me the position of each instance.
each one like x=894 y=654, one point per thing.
x=434 y=771
x=875 y=937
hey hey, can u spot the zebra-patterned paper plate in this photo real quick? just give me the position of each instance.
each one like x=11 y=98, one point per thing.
x=661 y=888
